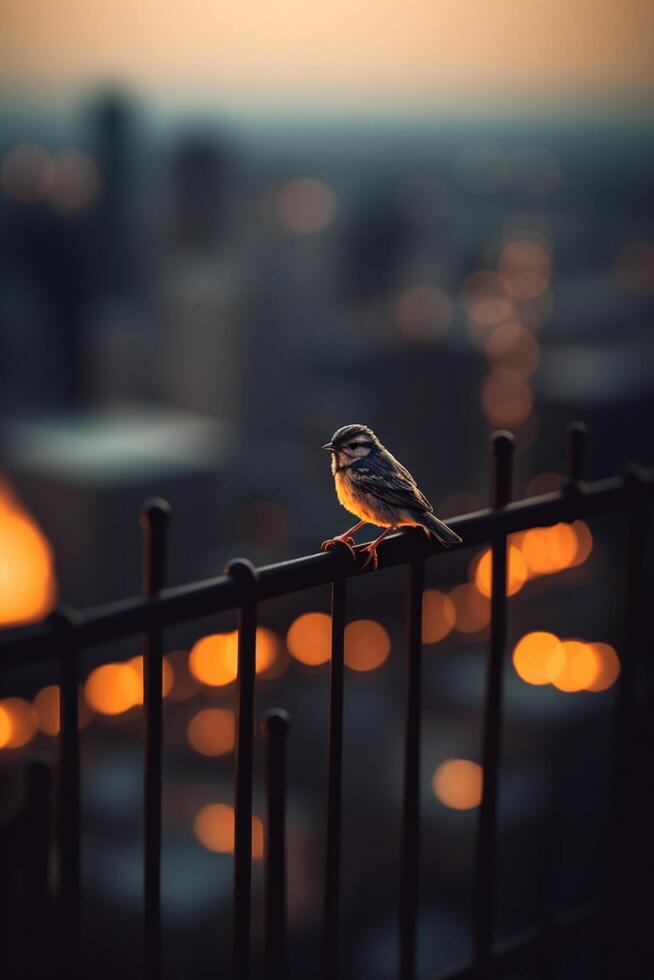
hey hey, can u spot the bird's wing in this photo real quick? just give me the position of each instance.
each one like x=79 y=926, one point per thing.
x=388 y=460
x=387 y=480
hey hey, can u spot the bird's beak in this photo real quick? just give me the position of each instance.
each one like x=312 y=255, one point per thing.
x=329 y=446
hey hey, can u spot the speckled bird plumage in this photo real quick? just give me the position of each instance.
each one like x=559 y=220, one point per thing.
x=371 y=484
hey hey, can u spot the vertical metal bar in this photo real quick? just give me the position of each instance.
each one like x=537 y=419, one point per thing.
x=35 y=856
x=68 y=801
x=154 y=520
x=275 y=727
x=576 y=437
x=619 y=876
x=330 y=933
x=484 y=888
x=243 y=571
x=575 y=489
x=410 y=855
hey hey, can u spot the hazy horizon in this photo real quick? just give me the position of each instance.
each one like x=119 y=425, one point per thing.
x=370 y=60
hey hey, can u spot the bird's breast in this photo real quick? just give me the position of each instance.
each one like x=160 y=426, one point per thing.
x=357 y=503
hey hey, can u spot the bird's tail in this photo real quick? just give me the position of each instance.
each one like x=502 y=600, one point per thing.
x=440 y=530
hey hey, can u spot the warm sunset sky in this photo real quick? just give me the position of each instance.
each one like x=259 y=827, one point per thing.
x=409 y=54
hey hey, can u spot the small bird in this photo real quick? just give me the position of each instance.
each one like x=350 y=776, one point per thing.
x=372 y=485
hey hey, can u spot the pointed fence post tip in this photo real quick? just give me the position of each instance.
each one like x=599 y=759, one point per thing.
x=242 y=570
x=155 y=511
x=502 y=446
x=275 y=721
x=576 y=436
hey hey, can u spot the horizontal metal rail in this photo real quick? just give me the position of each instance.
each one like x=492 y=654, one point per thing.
x=64 y=634
x=33 y=643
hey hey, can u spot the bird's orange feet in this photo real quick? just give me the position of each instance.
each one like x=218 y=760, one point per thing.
x=332 y=543
x=371 y=551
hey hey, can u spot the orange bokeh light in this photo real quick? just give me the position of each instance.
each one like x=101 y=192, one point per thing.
x=113 y=688
x=608 y=664
x=506 y=397
x=212 y=731
x=538 y=657
x=167 y=674
x=438 y=616
x=584 y=543
x=309 y=638
x=214 y=658
x=268 y=649
x=513 y=346
x=549 y=549
x=305 y=206
x=580 y=669
x=472 y=609
x=46 y=707
x=5 y=727
x=29 y=588
x=17 y=723
x=458 y=784
x=366 y=645
x=570 y=665
x=486 y=297
x=526 y=267
x=214 y=828
x=516 y=571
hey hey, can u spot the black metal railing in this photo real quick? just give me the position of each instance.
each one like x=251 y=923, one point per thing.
x=64 y=634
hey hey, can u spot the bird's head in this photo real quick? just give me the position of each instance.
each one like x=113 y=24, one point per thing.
x=351 y=442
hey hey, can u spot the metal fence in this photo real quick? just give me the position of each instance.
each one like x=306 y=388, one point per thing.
x=65 y=633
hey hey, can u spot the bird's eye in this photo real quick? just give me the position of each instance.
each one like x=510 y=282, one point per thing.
x=353 y=445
